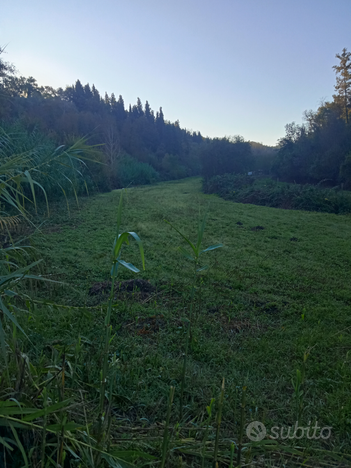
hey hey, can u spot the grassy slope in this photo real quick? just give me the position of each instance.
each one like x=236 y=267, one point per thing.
x=266 y=300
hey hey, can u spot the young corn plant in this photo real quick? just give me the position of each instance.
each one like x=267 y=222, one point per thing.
x=120 y=240
x=194 y=257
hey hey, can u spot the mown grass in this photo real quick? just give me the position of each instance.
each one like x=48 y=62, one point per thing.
x=276 y=299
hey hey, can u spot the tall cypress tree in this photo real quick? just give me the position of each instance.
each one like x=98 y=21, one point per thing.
x=96 y=99
x=87 y=91
x=148 y=112
x=160 y=122
x=113 y=104
x=343 y=82
x=139 y=108
x=113 y=101
x=79 y=95
x=119 y=111
x=96 y=94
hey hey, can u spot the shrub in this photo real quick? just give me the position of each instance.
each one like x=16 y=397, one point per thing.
x=132 y=172
x=267 y=192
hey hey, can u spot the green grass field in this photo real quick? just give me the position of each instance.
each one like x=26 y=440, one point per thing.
x=275 y=300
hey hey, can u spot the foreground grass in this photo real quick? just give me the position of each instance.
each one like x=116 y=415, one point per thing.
x=276 y=300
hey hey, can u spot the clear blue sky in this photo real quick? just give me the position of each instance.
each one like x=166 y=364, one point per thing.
x=222 y=67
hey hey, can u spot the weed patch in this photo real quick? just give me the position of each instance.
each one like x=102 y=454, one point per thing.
x=267 y=192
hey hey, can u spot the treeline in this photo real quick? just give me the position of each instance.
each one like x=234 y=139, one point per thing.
x=68 y=114
x=319 y=151
x=138 y=145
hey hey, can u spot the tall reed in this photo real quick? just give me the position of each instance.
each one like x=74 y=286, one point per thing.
x=194 y=257
x=120 y=240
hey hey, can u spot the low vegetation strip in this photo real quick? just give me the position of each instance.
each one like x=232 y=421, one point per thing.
x=267 y=192
x=271 y=315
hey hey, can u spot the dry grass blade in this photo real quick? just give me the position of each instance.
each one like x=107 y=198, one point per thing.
x=9 y=222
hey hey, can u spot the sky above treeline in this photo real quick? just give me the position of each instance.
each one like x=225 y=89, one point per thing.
x=224 y=67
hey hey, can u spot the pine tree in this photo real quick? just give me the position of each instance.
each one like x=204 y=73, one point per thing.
x=119 y=110
x=160 y=118
x=113 y=101
x=139 y=107
x=96 y=94
x=135 y=112
x=79 y=95
x=96 y=100
x=107 y=100
x=87 y=91
x=160 y=122
x=343 y=82
x=148 y=112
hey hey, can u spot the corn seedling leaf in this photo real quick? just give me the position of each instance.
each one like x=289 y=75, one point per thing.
x=137 y=238
x=202 y=268
x=119 y=242
x=185 y=253
x=185 y=238
x=130 y=266
x=212 y=247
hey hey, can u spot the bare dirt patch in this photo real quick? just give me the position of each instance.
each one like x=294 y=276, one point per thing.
x=139 y=288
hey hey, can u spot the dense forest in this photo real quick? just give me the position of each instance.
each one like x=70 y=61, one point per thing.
x=319 y=151
x=137 y=145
